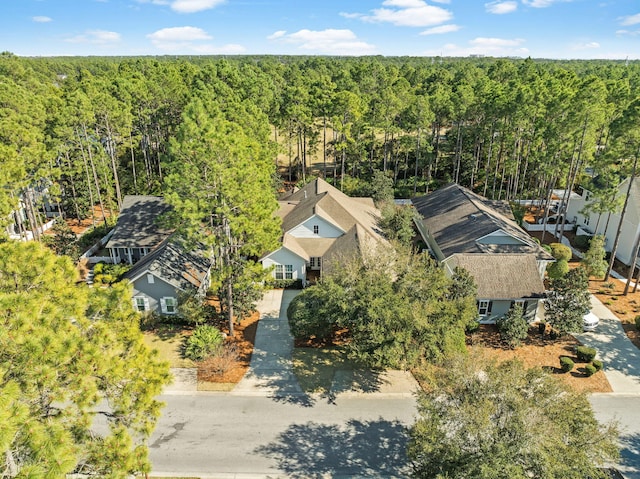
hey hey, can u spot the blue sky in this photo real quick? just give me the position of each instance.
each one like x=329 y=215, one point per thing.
x=566 y=29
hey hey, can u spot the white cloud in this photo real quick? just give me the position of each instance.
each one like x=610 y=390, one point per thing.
x=186 y=6
x=329 y=41
x=179 y=34
x=496 y=47
x=633 y=33
x=500 y=7
x=495 y=42
x=585 y=46
x=41 y=19
x=542 y=3
x=441 y=29
x=630 y=20
x=96 y=37
x=405 y=13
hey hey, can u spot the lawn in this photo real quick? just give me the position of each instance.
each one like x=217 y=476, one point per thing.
x=315 y=368
x=168 y=339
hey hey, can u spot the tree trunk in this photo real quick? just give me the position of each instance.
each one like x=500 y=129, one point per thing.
x=632 y=266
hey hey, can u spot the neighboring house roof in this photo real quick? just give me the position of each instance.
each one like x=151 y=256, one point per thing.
x=502 y=276
x=456 y=218
x=137 y=225
x=175 y=263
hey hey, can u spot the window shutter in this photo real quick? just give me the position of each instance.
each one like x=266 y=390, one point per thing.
x=146 y=304
x=163 y=305
x=490 y=306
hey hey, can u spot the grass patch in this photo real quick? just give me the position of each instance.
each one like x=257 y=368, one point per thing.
x=315 y=367
x=168 y=340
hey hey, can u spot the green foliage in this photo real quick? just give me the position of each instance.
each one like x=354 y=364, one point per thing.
x=106 y=273
x=284 y=283
x=566 y=364
x=590 y=370
x=567 y=302
x=399 y=308
x=513 y=326
x=518 y=212
x=637 y=322
x=593 y=261
x=558 y=269
x=585 y=354
x=203 y=342
x=597 y=364
x=64 y=349
x=63 y=241
x=381 y=188
x=560 y=251
x=582 y=241
x=396 y=223
x=192 y=309
x=488 y=420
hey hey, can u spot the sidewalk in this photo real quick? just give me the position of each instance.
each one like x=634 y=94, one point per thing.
x=620 y=356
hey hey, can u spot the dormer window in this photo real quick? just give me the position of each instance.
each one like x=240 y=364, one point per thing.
x=316 y=229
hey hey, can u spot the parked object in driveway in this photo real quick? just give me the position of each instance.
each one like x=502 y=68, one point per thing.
x=590 y=321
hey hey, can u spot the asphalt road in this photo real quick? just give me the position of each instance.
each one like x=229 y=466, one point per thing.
x=625 y=409
x=230 y=436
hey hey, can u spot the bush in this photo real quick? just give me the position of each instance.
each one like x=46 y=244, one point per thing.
x=637 y=320
x=286 y=284
x=566 y=363
x=558 y=269
x=203 y=342
x=582 y=241
x=590 y=370
x=472 y=327
x=308 y=315
x=513 y=327
x=597 y=364
x=560 y=251
x=585 y=354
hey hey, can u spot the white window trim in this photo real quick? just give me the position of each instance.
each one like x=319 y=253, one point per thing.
x=279 y=270
x=163 y=305
x=145 y=303
x=288 y=270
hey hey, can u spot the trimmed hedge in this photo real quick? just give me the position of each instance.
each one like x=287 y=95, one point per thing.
x=597 y=364
x=590 y=370
x=585 y=354
x=566 y=363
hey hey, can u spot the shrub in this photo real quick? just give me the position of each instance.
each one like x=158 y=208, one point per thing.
x=286 y=284
x=590 y=370
x=558 y=269
x=203 y=342
x=597 y=364
x=560 y=251
x=308 y=315
x=472 y=327
x=582 y=241
x=513 y=327
x=566 y=363
x=637 y=320
x=585 y=354
x=221 y=362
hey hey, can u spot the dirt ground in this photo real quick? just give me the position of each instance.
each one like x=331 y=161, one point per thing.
x=538 y=352
x=79 y=227
x=626 y=308
x=231 y=366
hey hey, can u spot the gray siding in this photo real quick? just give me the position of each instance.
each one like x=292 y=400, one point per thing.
x=159 y=289
x=500 y=307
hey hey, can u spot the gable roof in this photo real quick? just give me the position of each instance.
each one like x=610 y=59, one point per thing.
x=174 y=263
x=456 y=218
x=320 y=198
x=137 y=223
x=502 y=276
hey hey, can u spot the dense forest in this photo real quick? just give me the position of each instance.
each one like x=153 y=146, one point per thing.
x=94 y=129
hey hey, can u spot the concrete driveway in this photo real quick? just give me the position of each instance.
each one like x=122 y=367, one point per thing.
x=620 y=356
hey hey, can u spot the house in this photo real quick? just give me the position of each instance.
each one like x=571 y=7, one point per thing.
x=463 y=229
x=319 y=222
x=170 y=269
x=137 y=231
x=608 y=225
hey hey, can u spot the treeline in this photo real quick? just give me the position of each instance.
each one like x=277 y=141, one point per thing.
x=95 y=129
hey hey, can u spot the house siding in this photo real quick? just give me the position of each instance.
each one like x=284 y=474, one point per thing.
x=500 y=307
x=325 y=229
x=153 y=292
x=283 y=256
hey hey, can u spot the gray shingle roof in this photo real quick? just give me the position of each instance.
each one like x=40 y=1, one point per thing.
x=176 y=263
x=502 y=276
x=137 y=223
x=457 y=218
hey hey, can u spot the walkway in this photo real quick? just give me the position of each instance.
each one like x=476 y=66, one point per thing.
x=620 y=356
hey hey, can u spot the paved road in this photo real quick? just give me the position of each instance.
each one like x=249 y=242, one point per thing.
x=626 y=410
x=230 y=436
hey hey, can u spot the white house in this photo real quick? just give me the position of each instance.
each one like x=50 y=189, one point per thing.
x=630 y=226
x=318 y=222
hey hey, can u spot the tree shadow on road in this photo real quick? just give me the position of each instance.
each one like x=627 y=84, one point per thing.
x=360 y=448
x=629 y=458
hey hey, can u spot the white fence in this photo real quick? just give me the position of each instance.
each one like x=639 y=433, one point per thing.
x=28 y=235
x=88 y=255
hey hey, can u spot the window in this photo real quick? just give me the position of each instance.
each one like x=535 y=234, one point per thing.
x=150 y=279
x=315 y=262
x=316 y=229
x=586 y=220
x=140 y=303
x=288 y=271
x=279 y=273
x=587 y=196
x=168 y=305
x=522 y=303
x=484 y=307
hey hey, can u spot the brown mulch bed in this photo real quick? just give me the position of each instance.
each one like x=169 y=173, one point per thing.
x=626 y=308
x=537 y=351
x=232 y=364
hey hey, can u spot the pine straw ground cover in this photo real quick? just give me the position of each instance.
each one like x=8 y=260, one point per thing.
x=538 y=352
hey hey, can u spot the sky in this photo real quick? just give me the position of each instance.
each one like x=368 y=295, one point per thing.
x=559 y=29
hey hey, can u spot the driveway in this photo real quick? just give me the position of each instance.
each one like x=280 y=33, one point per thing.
x=620 y=356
